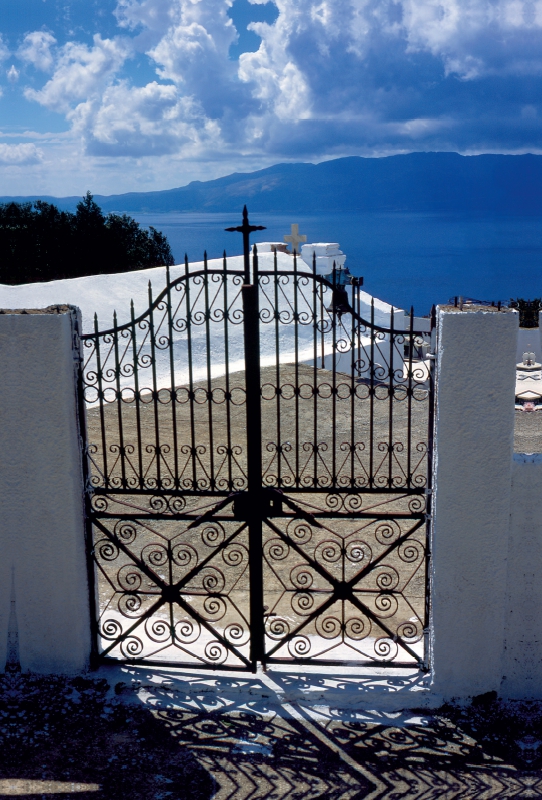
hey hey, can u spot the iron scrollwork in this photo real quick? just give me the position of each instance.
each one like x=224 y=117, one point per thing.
x=334 y=494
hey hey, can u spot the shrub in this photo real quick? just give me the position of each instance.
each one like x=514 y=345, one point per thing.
x=38 y=242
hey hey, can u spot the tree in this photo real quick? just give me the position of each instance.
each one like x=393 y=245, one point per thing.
x=38 y=242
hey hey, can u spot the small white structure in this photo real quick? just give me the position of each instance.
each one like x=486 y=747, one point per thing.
x=382 y=311
x=327 y=254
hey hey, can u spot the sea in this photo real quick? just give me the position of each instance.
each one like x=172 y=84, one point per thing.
x=408 y=259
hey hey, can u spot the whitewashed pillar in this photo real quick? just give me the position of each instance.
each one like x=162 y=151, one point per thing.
x=522 y=667
x=42 y=550
x=474 y=428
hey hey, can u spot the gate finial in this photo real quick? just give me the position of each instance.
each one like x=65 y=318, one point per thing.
x=246 y=229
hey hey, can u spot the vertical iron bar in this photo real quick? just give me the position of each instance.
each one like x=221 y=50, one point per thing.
x=173 y=387
x=353 y=387
x=296 y=358
x=137 y=398
x=154 y=391
x=170 y=576
x=334 y=381
x=322 y=322
x=254 y=466
x=246 y=245
x=390 y=389
x=208 y=364
x=119 y=401
x=256 y=278
x=190 y=375
x=358 y=327
x=410 y=390
x=277 y=369
x=227 y=368
x=372 y=396
x=101 y=397
x=315 y=371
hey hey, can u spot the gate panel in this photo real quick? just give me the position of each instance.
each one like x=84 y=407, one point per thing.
x=343 y=407
x=346 y=413
x=171 y=593
x=259 y=475
x=345 y=590
x=157 y=421
x=166 y=414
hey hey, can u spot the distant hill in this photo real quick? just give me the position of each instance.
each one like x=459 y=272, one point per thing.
x=426 y=182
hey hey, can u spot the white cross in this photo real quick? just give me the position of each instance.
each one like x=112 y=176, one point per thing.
x=295 y=238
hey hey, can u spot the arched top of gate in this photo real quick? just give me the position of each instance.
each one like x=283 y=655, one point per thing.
x=338 y=295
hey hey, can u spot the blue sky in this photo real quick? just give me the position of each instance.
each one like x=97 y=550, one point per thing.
x=127 y=95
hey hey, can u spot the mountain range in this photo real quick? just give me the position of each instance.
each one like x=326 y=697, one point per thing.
x=421 y=182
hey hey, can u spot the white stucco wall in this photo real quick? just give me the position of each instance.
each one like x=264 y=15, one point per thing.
x=472 y=488
x=382 y=312
x=522 y=660
x=41 y=494
x=105 y=294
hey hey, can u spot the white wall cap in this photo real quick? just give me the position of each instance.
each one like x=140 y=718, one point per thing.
x=324 y=264
x=446 y=309
x=270 y=247
x=380 y=305
x=420 y=323
x=321 y=249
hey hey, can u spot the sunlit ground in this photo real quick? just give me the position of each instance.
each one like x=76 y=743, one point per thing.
x=10 y=787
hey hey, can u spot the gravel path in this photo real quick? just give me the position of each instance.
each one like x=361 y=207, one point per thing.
x=339 y=425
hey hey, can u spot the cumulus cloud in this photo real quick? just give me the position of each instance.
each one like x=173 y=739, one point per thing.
x=13 y=74
x=19 y=154
x=381 y=75
x=330 y=77
x=147 y=15
x=193 y=53
x=202 y=104
x=150 y=120
x=37 y=49
x=276 y=79
x=4 y=49
x=477 y=37
x=80 y=72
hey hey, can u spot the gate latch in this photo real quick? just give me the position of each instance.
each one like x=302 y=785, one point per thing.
x=267 y=503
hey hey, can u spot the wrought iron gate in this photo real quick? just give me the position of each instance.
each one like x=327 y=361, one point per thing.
x=259 y=460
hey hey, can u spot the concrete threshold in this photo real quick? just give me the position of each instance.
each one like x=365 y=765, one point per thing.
x=353 y=692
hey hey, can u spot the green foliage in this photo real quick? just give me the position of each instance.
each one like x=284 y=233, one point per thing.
x=38 y=242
